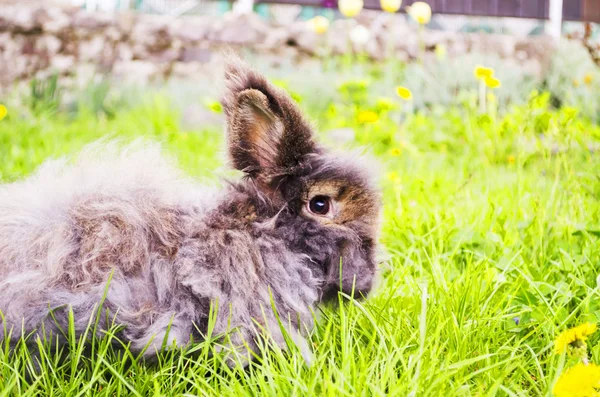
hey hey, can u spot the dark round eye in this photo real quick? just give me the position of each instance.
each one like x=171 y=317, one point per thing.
x=319 y=205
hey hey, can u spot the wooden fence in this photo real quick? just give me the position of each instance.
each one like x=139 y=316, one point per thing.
x=573 y=10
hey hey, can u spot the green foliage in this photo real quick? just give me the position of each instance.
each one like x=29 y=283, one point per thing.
x=491 y=228
x=44 y=95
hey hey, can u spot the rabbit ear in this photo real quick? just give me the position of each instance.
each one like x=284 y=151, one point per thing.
x=266 y=131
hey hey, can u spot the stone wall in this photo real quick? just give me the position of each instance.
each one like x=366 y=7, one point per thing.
x=41 y=38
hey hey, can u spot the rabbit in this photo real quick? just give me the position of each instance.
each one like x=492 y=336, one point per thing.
x=123 y=229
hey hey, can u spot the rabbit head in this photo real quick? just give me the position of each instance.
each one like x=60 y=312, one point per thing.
x=324 y=205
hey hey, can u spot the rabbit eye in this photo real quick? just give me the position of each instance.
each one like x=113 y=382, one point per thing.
x=319 y=205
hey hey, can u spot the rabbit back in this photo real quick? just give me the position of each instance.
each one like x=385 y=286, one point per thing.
x=110 y=197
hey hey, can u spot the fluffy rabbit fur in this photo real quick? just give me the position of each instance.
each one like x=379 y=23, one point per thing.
x=174 y=248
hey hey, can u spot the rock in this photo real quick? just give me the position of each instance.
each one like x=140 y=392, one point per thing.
x=167 y=56
x=88 y=22
x=39 y=37
x=123 y=52
x=196 y=54
x=243 y=29
x=92 y=49
x=62 y=64
x=338 y=39
x=55 y=21
x=192 y=30
x=20 y=20
x=50 y=43
x=275 y=39
x=285 y=14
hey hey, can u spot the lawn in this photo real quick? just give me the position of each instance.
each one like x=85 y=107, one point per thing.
x=491 y=228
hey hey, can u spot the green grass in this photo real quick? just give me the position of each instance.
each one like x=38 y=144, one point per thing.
x=487 y=219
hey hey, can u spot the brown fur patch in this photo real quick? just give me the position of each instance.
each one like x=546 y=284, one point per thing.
x=266 y=131
x=115 y=234
x=351 y=202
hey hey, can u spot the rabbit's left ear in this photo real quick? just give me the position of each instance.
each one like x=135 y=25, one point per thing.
x=266 y=131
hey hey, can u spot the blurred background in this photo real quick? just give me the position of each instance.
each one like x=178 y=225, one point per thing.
x=349 y=62
x=161 y=42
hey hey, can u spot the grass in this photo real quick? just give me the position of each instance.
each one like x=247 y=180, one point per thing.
x=491 y=227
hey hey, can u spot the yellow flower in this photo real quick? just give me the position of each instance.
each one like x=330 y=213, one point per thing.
x=350 y=8
x=367 y=116
x=390 y=5
x=3 y=111
x=573 y=337
x=576 y=83
x=420 y=12
x=492 y=82
x=404 y=93
x=588 y=79
x=579 y=381
x=318 y=24
x=393 y=176
x=396 y=152
x=511 y=159
x=481 y=72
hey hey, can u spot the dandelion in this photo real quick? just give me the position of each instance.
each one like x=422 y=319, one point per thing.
x=350 y=8
x=367 y=116
x=576 y=83
x=396 y=152
x=486 y=79
x=579 y=381
x=492 y=82
x=420 y=12
x=3 y=111
x=318 y=24
x=393 y=176
x=511 y=159
x=390 y=5
x=588 y=79
x=404 y=93
x=574 y=337
x=481 y=72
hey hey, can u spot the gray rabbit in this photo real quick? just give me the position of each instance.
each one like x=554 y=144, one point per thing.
x=125 y=230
